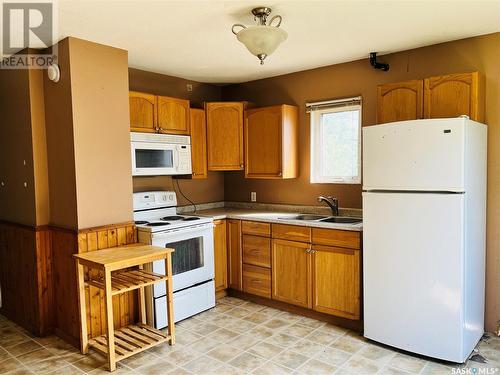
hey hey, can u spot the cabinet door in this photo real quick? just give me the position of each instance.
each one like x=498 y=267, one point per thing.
x=257 y=280
x=291 y=272
x=173 y=115
x=220 y=254
x=234 y=252
x=225 y=136
x=453 y=95
x=263 y=142
x=400 y=101
x=336 y=281
x=142 y=112
x=198 y=143
x=256 y=250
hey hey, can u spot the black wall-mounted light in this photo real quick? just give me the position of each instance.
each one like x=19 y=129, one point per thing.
x=377 y=65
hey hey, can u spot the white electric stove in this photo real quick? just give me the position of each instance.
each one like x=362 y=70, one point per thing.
x=158 y=224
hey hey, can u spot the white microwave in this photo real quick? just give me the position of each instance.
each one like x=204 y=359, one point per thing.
x=160 y=154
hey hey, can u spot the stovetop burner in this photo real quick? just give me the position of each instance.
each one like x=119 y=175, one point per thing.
x=141 y=222
x=171 y=218
x=191 y=218
x=156 y=224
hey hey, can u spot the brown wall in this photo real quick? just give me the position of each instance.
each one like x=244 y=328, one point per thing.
x=88 y=142
x=99 y=92
x=17 y=203
x=39 y=141
x=60 y=145
x=199 y=191
x=358 y=78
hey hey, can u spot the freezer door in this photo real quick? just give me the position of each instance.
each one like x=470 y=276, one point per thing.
x=415 y=155
x=413 y=272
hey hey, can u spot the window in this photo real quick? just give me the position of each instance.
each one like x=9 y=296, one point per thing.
x=336 y=142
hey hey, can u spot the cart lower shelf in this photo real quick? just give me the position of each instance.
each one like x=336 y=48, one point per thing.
x=130 y=340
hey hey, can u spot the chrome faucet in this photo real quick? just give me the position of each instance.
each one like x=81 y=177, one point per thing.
x=332 y=202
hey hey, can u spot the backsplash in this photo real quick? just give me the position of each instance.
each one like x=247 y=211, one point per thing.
x=355 y=212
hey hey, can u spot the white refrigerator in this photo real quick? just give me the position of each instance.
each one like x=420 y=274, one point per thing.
x=424 y=226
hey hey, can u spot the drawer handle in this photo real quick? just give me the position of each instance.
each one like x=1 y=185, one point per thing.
x=256 y=281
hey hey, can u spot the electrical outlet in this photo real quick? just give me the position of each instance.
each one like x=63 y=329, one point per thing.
x=253 y=196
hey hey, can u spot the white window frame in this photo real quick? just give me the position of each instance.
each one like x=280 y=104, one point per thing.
x=315 y=132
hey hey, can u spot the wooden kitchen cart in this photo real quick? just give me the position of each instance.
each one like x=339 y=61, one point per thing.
x=120 y=270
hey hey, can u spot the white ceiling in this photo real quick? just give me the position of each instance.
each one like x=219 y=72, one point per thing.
x=193 y=39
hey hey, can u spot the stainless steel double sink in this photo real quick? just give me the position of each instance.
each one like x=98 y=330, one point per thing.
x=324 y=219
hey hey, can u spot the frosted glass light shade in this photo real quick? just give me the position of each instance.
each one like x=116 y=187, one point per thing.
x=261 y=39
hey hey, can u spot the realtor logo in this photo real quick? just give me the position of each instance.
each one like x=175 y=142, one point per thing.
x=27 y=25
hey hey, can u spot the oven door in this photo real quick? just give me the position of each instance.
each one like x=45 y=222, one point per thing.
x=154 y=159
x=192 y=260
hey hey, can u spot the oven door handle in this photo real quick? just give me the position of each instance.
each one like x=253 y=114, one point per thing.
x=193 y=229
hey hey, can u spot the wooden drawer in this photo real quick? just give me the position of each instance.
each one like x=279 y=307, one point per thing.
x=334 y=237
x=256 y=228
x=292 y=232
x=257 y=280
x=257 y=250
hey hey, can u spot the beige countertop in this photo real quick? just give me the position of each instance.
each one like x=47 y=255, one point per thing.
x=272 y=217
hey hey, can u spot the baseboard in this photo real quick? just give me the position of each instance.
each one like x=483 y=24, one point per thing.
x=68 y=338
x=220 y=294
x=355 y=325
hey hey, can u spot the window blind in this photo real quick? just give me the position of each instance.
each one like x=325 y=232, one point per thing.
x=334 y=103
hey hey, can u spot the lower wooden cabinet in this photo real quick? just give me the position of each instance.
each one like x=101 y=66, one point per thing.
x=256 y=251
x=234 y=254
x=336 y=281
x=291 y=272
x=320 y=269
x=220 y=255
x=257 y=280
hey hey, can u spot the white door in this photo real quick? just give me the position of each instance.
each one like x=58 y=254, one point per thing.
x=412 y=270
x=192 y=260
x=415 y=155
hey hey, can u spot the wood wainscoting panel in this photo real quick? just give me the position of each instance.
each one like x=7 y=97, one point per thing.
x=26 y=276
x=66 y=321
x=125 y=305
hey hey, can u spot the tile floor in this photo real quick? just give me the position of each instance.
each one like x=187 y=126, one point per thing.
x=238 y=337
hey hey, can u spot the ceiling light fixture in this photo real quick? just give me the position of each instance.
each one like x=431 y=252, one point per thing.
x=262 y=39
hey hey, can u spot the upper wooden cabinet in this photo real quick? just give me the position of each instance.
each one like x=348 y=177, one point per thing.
x=225 y=135
x=173 y=115
x=220 y=255
x=271 y=142
x=451 y=95
x=400 y=101
x=336 y=281
x=158 y=114
x=454 y=95
x=198 y=143
x=142 y=112
x=291 y=272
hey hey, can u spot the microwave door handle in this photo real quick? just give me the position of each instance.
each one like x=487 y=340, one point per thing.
x=176 y=158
